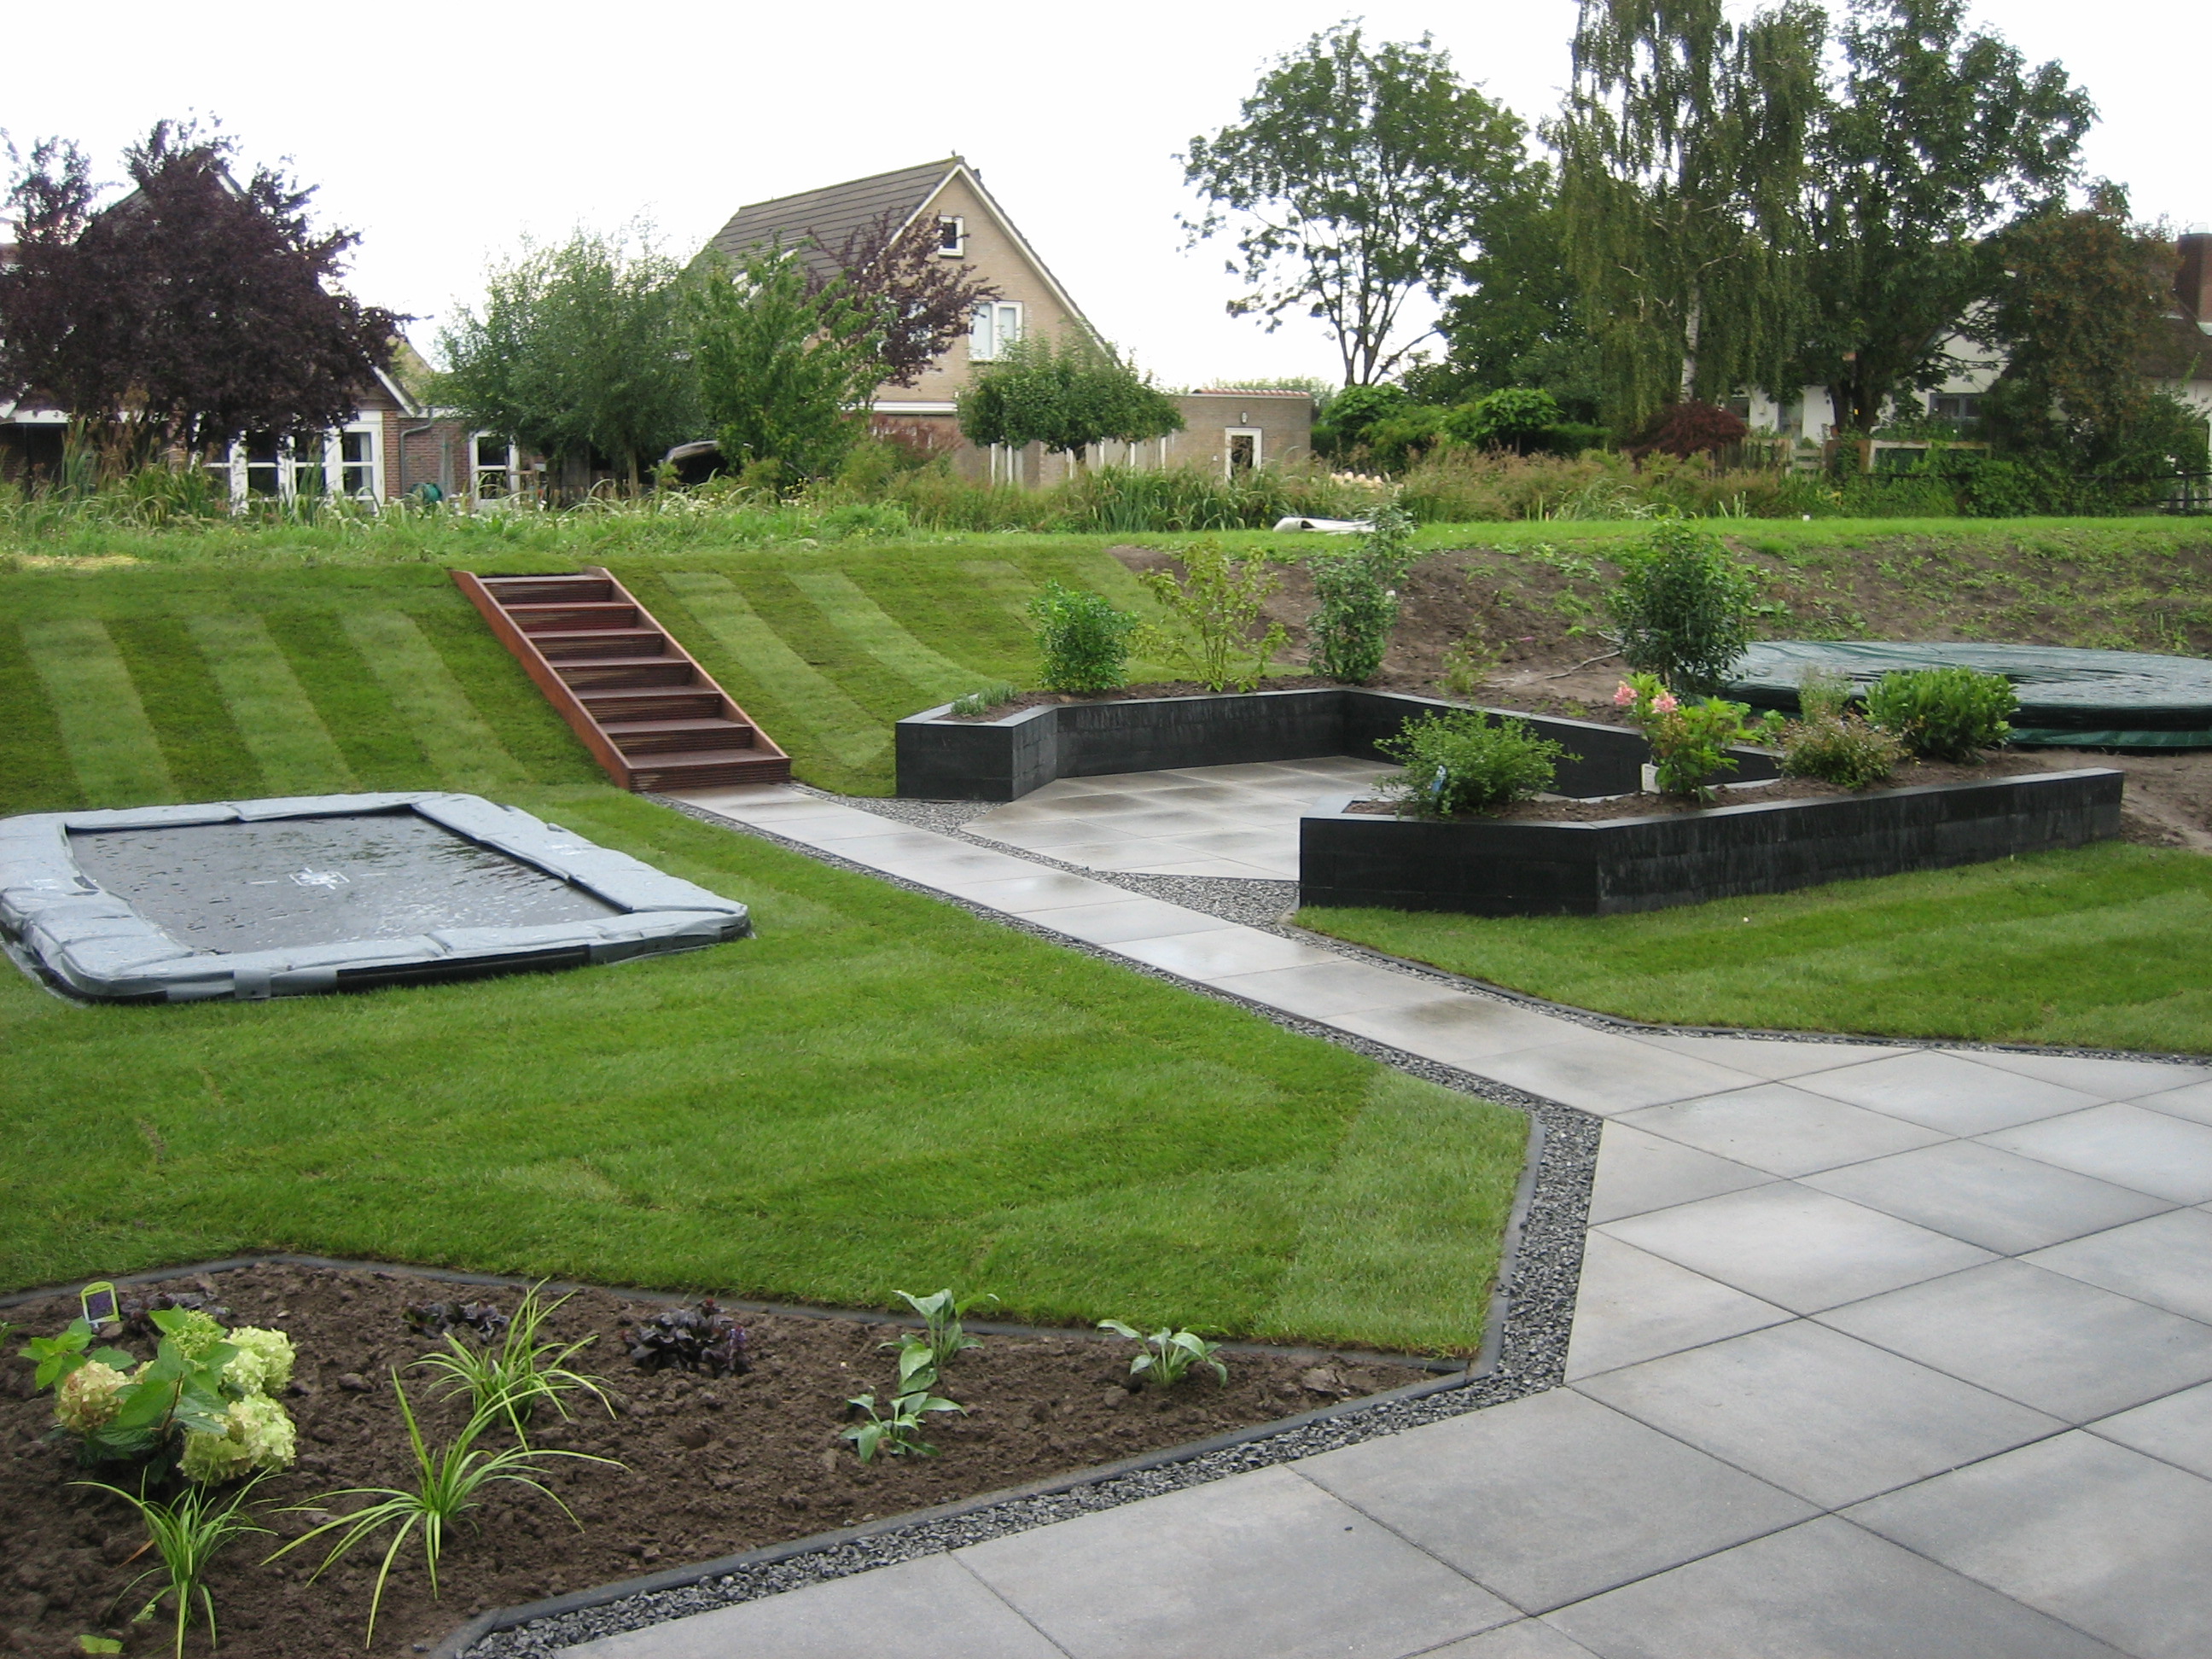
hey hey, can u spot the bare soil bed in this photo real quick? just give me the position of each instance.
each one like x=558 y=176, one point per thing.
x=712 y=1466
x=1913 y=775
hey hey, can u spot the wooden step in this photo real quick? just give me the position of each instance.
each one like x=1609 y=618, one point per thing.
x=675 y=702
x=556 y=618
x=567 y=645
x=512 y=591
x=611 y=673
x=648 y=712
x=636 y=738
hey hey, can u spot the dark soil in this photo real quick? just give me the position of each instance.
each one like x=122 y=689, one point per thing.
x=714 y=1466
x=1532 y=624
x=1914 y=775
x=1131 y=694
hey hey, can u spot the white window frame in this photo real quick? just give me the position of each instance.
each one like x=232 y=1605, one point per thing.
x=511 y=482
x=958 y=250
x=998 y=324
x=1230 y=435
x=324 y=456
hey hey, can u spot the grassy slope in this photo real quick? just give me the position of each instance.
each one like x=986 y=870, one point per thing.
x=879 y=1092
x=2104 y=947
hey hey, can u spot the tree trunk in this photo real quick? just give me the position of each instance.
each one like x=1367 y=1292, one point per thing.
x=1693 y=322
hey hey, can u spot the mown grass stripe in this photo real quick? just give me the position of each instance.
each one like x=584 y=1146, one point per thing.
x=275 y=717
x=832 y=720
x=463 y=751
x=529 y=728
x=1008 y=585
x=351 y=702
x=853 y=613
x=34 y=768
x=207 y=757
x=111 y=747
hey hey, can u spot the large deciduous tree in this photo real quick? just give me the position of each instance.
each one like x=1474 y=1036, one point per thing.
x=1937 y=135
x=579 y=348
x=1520 y=322
x=190 y=310
x=1066 y=398
x=1358 y=181
x=921 y=301
x=1682 y=151
x=785 y=367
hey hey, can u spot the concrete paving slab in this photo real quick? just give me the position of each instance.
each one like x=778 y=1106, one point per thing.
x=2151 y=1151
x=2166 y=1260
x=1267 y=1563
x=1776 y=1059
x=1782 y=1130
x=1987 y=1196
x=1630 y=1306
x=1039 y=889
x=2176 y=1429
x=1817 y=1413
x=1525 y=1639
x=1454 y=1028
x=2038 y=1337
x=873 y=1613
x=1116 y=922
x=1825 y=1590
x=1798 y=1248
x=1220 y=952
x=2105 y=1080
x=1946 y=1091
x=1323 y=990
x=1638 y=1171
x=2108 y=1539
x=1601 y=1072
x=1574 y=1498
x=2192 y=1101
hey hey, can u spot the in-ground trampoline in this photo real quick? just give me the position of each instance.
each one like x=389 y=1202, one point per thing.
x=2068 y=698
x=262 y=898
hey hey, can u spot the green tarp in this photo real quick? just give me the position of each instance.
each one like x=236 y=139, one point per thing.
x=2068 y=698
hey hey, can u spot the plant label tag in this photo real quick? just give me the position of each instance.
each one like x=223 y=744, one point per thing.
x=97 y=1301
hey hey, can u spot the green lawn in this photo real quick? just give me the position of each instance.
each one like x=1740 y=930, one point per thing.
x=879 y=1093
x=2105 y=947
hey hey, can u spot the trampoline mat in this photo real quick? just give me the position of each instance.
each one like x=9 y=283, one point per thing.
x=286 y=882
x=2068 y=697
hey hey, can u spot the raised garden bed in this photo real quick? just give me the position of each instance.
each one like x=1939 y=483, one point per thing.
x=1505 y=867
x=941 y=758
x=714 y=1465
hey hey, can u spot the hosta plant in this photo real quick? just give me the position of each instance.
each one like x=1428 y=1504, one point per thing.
x=1169 y=1354
x=942 y=1334
x=895 y=1429
x=185 y=1535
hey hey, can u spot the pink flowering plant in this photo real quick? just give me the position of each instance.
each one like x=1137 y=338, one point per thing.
x=1689 y=741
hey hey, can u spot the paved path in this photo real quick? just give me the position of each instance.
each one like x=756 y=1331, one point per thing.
x=1883 y=1352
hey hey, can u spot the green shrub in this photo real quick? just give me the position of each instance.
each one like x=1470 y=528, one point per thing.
x=1357 y=598
x=1945 y=714
x=1516 y=418
x=1468 y=762
x=1839 y=749
x=1215 y=605
x=1083 y=642
x=1683 y=606
x=1689 y=741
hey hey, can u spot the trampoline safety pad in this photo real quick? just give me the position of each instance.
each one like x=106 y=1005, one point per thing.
x=2068 y=698
x=262 y=898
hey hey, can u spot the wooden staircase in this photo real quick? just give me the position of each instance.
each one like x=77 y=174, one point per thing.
x=649 y=714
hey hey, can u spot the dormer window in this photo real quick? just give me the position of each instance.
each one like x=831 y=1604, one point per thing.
x=952 y=237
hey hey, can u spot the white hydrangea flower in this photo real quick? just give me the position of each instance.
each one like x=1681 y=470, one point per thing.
x=261 y=1435
x=263 y=1364
x=86 y=1398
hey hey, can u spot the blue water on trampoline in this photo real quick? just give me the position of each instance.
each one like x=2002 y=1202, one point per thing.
x=290 y=882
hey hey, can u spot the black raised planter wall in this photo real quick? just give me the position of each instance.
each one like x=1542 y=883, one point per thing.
x=1005 y=759
x=1502 y=868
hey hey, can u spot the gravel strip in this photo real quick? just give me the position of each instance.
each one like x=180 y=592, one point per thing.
x=1539 y=1287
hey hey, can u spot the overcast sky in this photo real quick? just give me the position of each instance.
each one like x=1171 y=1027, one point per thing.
x=444 y=135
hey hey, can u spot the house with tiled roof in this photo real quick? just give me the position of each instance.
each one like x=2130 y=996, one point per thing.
x=1225 y=429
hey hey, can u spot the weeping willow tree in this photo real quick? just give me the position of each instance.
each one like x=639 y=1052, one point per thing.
x=1683 y=148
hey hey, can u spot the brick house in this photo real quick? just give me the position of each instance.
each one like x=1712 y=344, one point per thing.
x=1226 y=429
